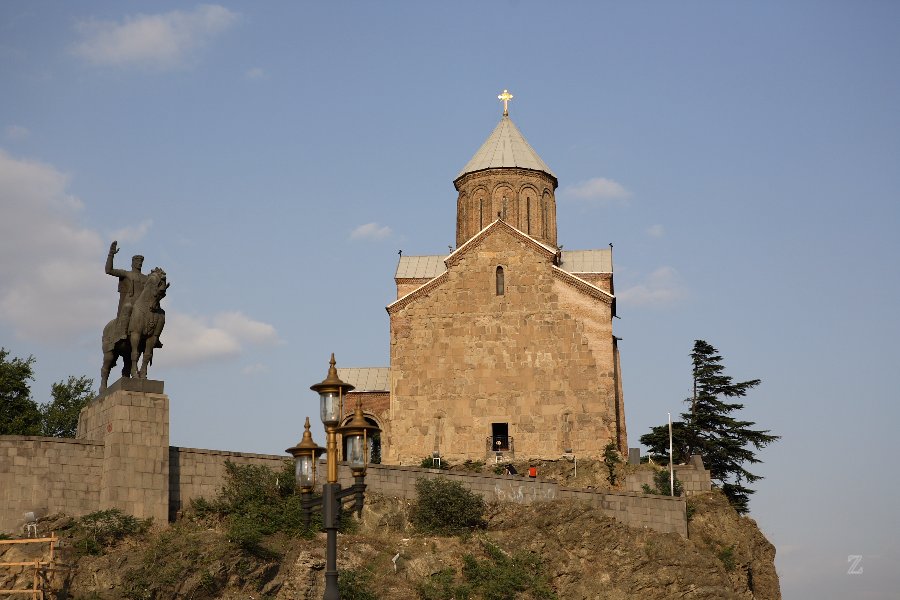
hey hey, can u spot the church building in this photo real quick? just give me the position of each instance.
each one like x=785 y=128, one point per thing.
x=504 y=348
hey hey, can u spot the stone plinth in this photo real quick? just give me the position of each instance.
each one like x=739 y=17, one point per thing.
x=133 y=425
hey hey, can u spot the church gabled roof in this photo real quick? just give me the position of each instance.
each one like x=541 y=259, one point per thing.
x=506 y=147
x=573 y=261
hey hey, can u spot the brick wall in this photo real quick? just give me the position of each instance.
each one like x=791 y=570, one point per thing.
x=47 y=475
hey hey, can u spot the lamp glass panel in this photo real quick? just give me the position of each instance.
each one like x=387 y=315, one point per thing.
x=356 y=451
x=331 y=407
x=304 y=471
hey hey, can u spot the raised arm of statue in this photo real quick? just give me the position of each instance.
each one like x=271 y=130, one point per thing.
x=113 y=250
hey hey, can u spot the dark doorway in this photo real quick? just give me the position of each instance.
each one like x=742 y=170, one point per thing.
x=500 y=437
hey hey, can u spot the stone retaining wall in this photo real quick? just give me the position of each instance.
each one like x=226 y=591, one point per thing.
x=47 y=475
x=195 y=473
x=123 y=460
x=661 y=513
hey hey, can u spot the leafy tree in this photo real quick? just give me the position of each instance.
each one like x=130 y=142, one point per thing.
x=710 y=429
x=611 y=459
x=663 y=485
x=19 y=414
x=59 y=417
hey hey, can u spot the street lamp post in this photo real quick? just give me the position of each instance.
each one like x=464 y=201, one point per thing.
x=356 y=434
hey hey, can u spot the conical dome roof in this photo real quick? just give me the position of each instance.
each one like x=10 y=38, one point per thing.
x=506 y=147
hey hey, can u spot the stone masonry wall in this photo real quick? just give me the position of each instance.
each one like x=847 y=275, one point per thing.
x=540 y=358
x=45 y=476
x=133 y=427
x=660 y=513
x=49 y=475
x=693 y=480
x=196 y=473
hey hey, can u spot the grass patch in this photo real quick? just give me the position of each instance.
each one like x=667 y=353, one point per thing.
x=356 y=584
x=94 y=533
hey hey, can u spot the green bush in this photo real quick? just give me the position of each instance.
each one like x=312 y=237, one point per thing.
x=499 y=576
x=445 y=507
x=255 y=502
x=95 y=532
x=430 y=463
x=443 y=586
x=662 y=485
x=476 y=466
x=356 y=584
x=726 y=555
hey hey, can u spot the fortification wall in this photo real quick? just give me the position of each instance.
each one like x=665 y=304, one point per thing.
x=123 y=460
x=695 y=479
x=660 y=513
x=47 y=475
x=197 y=473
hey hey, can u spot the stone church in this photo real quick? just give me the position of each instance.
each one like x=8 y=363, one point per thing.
x=504 y=348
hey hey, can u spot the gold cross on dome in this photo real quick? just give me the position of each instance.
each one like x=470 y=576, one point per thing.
x=506 y=97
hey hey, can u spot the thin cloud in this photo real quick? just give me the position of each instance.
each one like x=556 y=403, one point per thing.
x=193 y=339
x=167 y=40
x=255 y=73
x=371 y=231
x=598 y=188
x=17 y=133
x=661 y=288
x=656 y=231
x=255 y=369
x=132 y=234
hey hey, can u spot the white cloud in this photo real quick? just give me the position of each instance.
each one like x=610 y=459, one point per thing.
x=255 y=369
x=663 y=287
x=17 y=133
x=166 y=40
x=52 y=285
x=598 y=188
x=370 y=231
x=656 y=231
x=193 y=339
x=132 y=234
x=255 y=73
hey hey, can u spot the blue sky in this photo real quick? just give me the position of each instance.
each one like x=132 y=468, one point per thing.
x=742 y=158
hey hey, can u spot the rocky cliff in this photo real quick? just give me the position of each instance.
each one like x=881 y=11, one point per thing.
x=562 y=550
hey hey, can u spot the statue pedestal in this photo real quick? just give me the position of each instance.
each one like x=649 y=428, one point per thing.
x=131 y=418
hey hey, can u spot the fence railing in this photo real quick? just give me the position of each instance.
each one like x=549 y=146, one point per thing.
x=500 y=447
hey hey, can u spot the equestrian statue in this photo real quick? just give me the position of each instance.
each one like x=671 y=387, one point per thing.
x=139 y=321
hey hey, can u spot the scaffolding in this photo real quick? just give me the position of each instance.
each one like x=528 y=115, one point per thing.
x=41 y=567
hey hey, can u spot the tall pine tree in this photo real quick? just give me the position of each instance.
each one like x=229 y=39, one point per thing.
x=710 y=428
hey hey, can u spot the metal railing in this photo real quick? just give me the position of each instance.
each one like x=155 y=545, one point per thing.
x=500 y=447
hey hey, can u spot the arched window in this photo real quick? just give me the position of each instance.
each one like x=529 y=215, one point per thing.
x=501 y=285
x=528 y=215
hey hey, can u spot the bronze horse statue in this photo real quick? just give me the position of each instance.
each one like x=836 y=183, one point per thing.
x=141 y=335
